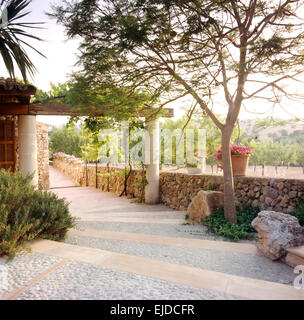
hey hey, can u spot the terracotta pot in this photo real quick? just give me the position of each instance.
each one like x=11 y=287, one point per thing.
x=239 y=165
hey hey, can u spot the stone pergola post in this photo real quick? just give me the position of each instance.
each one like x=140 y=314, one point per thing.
x=152 y=155
x=28 y=162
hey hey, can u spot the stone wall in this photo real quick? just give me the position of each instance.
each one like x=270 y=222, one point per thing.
x=104 y=178
x=43 y=151
x=178 y=189
x=43 y=155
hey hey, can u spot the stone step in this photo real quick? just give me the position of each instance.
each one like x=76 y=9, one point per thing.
x=295 y=256
x=198 y=278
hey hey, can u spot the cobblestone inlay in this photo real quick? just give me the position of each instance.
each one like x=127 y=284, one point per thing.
x=81 y=281
x=240 y=264
x=24 y=268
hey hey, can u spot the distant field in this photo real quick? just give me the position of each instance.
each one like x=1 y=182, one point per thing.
x=283 y=172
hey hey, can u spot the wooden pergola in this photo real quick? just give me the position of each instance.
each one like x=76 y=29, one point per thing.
x=15 y=100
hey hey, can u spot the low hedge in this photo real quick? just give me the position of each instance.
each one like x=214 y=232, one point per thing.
x=27 y=213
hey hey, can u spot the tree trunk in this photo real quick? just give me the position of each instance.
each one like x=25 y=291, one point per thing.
x=229 y=197
x=263 y=170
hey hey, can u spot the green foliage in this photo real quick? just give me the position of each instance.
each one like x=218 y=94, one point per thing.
x=299 y=211
x=213 y=186
x=13 y=36
x=57 y=94
x=27 y=213
x=68 y=140
x=141 y=184
x=218 y=225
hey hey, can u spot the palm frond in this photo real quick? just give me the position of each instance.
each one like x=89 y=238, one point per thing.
x=11 y=34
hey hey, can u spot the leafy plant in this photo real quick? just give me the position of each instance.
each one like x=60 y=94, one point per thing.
x=299 y=211
x=217 y=224
x=213 y=186
x=141 y=184
x=27 y=213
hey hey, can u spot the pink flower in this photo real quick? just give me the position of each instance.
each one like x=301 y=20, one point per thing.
x=235 y=150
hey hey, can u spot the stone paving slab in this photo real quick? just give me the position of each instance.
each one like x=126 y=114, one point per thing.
x=60 y=180
x=247 y=248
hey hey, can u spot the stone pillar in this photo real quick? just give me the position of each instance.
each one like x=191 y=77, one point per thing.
x=28 y=162
x=152 y=155
x=203 y=164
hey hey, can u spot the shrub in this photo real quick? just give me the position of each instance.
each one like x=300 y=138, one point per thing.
x=217 y=224
x=299 y=211
x=27 y=213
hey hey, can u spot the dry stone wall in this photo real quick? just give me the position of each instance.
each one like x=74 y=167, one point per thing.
x=178 y=189
x=43 y=151
x=43 y=155
x=104 y=178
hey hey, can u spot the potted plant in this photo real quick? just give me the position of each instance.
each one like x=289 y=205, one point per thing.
x=239 y=158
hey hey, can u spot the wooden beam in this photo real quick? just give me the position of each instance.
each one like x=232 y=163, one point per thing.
x=66 y=110
x=14 y=109
x=52 y=110
x=63 y=110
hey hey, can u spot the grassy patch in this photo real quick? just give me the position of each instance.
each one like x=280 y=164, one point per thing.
x=218 y=225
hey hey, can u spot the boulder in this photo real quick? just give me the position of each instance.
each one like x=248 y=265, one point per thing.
x=204 y=203
x=277 y=232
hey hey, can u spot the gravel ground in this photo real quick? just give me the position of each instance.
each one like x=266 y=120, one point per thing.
x=80 y=281
x=24 y=268
x=189 y=231
x=244 y=265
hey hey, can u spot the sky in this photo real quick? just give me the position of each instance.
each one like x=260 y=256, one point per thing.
x=62 y=55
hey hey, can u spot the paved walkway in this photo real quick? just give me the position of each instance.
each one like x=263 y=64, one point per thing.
x=123 y=250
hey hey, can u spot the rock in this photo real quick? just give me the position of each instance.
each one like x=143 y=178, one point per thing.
x=268 y=201
x=271 y=192
x=204 y=204
x=256 y=189
x=292 y=194
x=277 y=232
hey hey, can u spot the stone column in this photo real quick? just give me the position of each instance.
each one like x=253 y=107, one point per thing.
x=203 y=164
x=28 y=162
x=152 y=155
